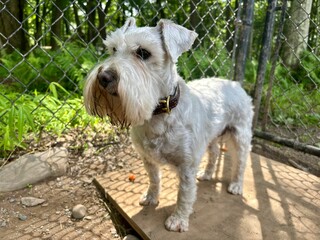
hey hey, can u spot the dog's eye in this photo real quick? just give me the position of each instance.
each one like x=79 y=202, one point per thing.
x=143 y=53
x=114 y=50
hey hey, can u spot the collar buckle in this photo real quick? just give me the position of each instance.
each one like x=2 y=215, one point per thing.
x=167 y=103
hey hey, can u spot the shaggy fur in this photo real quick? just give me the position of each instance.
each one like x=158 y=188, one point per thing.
x=127 y=88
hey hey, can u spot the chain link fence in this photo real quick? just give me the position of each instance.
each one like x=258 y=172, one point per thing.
x=48 y=47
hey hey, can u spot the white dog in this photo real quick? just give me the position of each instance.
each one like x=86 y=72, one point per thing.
x=172 y=122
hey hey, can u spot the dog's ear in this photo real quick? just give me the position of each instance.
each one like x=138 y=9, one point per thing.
x=177 y=39
x=130 y=23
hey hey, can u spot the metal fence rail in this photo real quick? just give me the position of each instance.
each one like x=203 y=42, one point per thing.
x=48 y=47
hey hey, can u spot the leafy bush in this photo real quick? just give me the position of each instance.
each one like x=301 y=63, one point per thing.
x=295 y=106
x=67 y=66
x=204 y=63
x=307 y=72
x=16 y=119
x=295 y=97
x=23 y=114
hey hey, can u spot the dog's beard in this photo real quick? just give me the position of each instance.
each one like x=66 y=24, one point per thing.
x=99 y=102
x=139 y=96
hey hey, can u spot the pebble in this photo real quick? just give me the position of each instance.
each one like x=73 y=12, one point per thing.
x=107 y=216
x=113 y=231
x=31 y=201
x=88 y=218
x=87 y=180
x=3 y=223
x=130 y=237
x=22 y=217
x=79 y=211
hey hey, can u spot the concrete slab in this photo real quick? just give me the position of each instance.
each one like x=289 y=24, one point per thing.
x=279 y=202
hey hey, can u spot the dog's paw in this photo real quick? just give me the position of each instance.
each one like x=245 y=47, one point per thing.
x=203 y=176
x=176 y=224
x=235 y=188
x=148 y=200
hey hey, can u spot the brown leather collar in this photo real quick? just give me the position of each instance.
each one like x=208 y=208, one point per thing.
x=166 y=104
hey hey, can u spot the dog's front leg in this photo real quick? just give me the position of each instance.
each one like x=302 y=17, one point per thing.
x=179 y=220
x=151 y=197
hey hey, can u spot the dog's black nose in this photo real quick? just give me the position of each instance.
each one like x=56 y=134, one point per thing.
x=106 y=77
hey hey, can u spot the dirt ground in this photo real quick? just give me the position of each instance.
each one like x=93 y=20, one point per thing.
x=91 y=153
x=303 y=161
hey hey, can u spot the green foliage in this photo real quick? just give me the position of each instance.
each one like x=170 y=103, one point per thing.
x=25 y=114
x=67 y=66
x=307 y=72
x=295 y=97
x=295 y=106
x=16 y=119
x=204 y=63
x=15 y=113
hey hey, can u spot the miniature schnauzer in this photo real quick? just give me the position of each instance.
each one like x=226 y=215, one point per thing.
x=171 y=122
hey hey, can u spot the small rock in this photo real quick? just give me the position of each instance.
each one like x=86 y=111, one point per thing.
x=22 y=217
x=45 y=205
x=79 y=211
x=3 y=223
x=12 y=200
x=88 y=218
x=130 y=237
x=31 y=201
x=86 y=180
x=113 y=231
x=106 y=216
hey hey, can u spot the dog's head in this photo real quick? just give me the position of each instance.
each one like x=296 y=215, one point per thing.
x=140 y=70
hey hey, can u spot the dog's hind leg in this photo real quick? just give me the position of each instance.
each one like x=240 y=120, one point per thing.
x=151 y=197
x=241 y=141
x=213 y=151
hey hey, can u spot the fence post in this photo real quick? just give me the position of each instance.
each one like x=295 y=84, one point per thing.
x=244 y=36
x=274 y=60
x=263 y=59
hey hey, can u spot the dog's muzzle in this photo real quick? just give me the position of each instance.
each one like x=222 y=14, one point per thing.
x=108 y=79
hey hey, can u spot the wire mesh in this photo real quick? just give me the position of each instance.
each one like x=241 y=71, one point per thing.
x=48 y=47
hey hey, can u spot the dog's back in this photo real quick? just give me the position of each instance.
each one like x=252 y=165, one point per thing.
x=223 y=98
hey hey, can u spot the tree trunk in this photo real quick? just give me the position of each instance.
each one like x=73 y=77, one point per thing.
x=102 y=17
x=66 y=21
x=296 y=32
x=263 y=59
x=38 y=32
x=229 y=26
x=195 y=20
x=313 y=40
x=56 y=23
x=11 y=26
x=242 y=41
x=91 y=14
x=77 y=20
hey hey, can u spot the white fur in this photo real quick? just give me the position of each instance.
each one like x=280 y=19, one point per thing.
x=206 y=109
